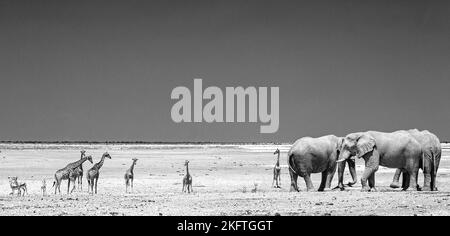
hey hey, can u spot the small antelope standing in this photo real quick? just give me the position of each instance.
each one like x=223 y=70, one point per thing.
x=93 y=173
x=44 y=188
x=277 y=171
x=187 y=180
x=14 y=184
x=129 y=176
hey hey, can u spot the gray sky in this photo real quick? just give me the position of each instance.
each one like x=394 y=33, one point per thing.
x=91 y=70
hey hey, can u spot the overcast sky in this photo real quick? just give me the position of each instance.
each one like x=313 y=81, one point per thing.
x=104 y=70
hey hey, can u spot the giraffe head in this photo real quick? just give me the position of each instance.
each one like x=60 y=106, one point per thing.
x=106 y=155
x=277 y=151
x=134 y=160
x=89 y=158
x=186 y=162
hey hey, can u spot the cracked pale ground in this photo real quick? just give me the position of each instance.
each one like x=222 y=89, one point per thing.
x=223 y=179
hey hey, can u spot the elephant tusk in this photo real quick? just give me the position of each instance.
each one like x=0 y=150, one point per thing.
x=341 y=160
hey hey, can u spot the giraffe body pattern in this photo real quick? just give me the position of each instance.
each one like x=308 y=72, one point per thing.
x=187 y=180
x=93 y=174
x=68 y=173
x=276 y=183
x=129 y=176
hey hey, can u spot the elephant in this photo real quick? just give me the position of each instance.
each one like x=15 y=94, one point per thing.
x=313 y=155
x=431 y=156
x=393 y=150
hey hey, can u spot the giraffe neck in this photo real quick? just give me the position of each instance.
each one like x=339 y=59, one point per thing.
x=78 y=163
x=82 y=155
x=132 y=167
x=100 y=164
x=187 y=169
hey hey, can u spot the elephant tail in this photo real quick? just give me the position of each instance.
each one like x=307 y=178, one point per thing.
x=291 y=163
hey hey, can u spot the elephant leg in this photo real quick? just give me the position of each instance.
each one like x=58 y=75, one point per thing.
x=341 y=168
x=435 y=167
x=330 y=175
x=309 y=184
x=294 y=186
x=395 y=181
x=372 y=183
x=368 y=172
x=372 y=163
x=323 y=181
x=405 y=180
x=412 y=167
x=412 y=180
x=427 y=174
x=352 y=169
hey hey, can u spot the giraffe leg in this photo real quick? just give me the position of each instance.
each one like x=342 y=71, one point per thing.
x=73 y=187
x=96 y=181
x=131 y=185
x=68 y=186
x=89 y=185
x=279 y=180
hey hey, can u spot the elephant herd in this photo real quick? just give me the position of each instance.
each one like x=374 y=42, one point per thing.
x=406 y=150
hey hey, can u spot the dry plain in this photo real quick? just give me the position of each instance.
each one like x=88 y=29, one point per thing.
x=223 y=179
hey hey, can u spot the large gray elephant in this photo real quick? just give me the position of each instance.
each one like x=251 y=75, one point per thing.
x=394 y=150
x=313 y=155
x=431 y=157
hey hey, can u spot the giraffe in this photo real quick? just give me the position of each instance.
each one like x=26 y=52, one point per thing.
x=129 y=176
x=187 y=180
x=93 y=173
x=277 y=171
x=78 y=172
x=67 y=173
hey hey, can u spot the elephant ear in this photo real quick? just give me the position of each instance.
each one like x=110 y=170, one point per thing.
x=365 y=144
